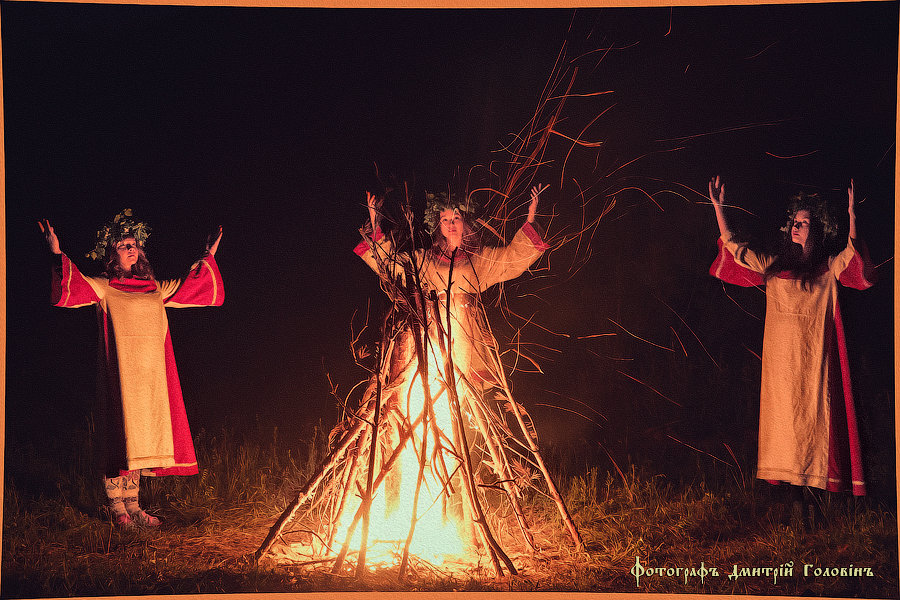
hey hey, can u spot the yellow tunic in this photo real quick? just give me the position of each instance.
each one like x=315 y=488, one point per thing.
x=145 y=421
x=799 y=371
x=473 y=345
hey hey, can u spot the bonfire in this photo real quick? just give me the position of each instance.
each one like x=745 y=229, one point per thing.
x=431 y=464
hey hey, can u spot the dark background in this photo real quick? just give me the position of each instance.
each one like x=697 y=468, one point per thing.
x=274 y=122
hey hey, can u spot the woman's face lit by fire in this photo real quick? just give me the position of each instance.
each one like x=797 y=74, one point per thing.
x=128 y=252
x=800 y=229
x=452 y=228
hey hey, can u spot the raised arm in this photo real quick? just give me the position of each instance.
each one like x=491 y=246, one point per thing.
x=372 y=204
x=851 y=208
x=50 y=236
x=375 y=249
x=203 y=285
x=495 y=264
x=734 y=263
x=852 y=266
x=68 y=287
x=212 y=246
x=532 y=206
x=717 y=198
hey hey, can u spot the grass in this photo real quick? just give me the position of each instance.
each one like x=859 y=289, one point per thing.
x=56 y=543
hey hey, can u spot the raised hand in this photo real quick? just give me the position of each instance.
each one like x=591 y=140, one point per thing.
x=717 y=197
x=532 y=207
x=211 y=247
x=50 y=236
x=852 y=202
x=851 y=209
x=717 y=191
x=372 y=204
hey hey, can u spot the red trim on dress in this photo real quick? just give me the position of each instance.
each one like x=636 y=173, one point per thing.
x=68 y=287
x=843 y=432
x=856 y=470
x=859 y=273
x=203 y=286
x=363 y=246
x=726 y=268
x=133 y=285
x=185 y=458
x=532 y=234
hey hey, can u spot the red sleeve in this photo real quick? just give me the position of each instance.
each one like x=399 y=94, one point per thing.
x=68 y=287
x=532 y=232
x=363 y=246
x=202 y=287
x=859 y=273
x=724 y=267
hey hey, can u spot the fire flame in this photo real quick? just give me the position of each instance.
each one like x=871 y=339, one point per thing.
x=438 y=536
x=444 y=534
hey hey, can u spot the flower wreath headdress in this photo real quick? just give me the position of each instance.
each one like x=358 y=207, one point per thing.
x=818 y=210
x=436 y=203
x=122 y=226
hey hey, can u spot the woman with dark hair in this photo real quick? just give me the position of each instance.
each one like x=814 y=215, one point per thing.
x=144 y=421
x=807 y=422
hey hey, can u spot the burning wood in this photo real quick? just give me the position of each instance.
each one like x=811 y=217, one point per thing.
x=416 y=463
x=438 y=455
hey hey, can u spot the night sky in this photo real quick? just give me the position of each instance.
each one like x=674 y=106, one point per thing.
x=274 y=123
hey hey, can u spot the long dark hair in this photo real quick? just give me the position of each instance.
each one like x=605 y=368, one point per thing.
x=790 y=256
x=140 y=270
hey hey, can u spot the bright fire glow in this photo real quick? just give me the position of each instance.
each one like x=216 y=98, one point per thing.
x=437 y=537
x=442 y=536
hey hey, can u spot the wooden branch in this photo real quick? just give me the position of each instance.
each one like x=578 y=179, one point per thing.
x=496 y=552
x=532 y=445
x=373 y=447
x=310 y=486
x=501 y=469
x=386 y=467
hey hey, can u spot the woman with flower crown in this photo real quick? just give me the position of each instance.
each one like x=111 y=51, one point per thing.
x=144 y=420
x=450 y=277
x=807 y=422
x=475 y=268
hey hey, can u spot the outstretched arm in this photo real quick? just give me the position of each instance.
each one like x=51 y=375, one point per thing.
x=50 y=236
x=212 y=246
x=372 y=204
x=203 y=285
x=495 y=264
x=717 y=197
x=375 y=249
x=68 y=287
x=532 y=207
x=851 y=208
x=852 y=266
x=732 y=266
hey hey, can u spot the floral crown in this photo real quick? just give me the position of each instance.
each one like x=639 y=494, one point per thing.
x=818 y=211
x=122 y=226
x=435 y=204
